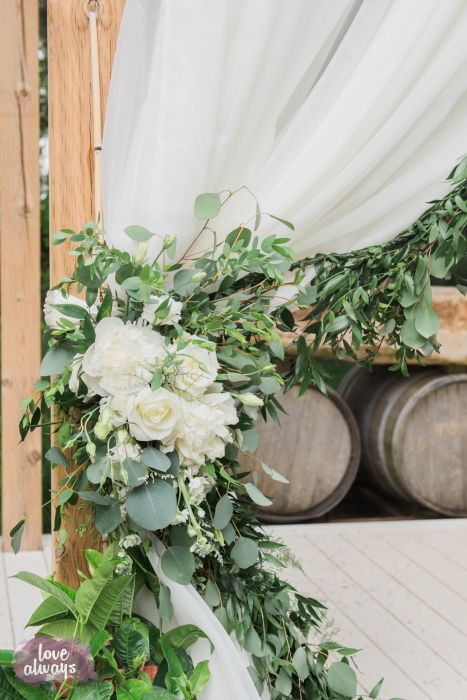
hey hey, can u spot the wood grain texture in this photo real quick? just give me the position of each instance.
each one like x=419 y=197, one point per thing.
x=71 y=167
x=317 y=450
x=20 y=262
x=414 y=434
x=451 y=308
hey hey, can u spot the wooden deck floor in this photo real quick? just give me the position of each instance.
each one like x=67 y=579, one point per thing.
x=397 y=590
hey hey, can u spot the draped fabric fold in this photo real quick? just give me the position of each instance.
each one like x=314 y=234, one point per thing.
x=343 y=117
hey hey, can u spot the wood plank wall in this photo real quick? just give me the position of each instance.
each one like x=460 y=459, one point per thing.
x=72 y=164
x=20 y=262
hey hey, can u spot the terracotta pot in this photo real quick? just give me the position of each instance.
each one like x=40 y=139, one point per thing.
x=151 y=671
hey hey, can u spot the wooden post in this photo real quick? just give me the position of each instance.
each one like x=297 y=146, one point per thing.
x=72 y=168
x=20 y=263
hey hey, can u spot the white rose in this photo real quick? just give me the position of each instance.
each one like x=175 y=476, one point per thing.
x=174 y=311
x=154 y=415
x=118 y=408
x=192 y=370
x=77 y=374
x=53 y=315
x=123 y=358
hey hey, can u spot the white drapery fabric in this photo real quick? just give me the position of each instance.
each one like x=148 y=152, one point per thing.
x=229 y=679
x=343 y=117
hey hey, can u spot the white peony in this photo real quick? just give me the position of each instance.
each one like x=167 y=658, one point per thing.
x=53 y=315
x=154 y=415
x=193 y=370
x=149 y=311
x=199 y=487
x=118 y=408
x=204 y=431
x=123 y=358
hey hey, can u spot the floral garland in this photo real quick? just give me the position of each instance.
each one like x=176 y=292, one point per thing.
x=157 y=387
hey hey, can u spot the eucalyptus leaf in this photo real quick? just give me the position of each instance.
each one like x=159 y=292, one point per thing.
x=252 y=642
x=211 y=594
x=256 y=495
x=410 y=336
x=152 y=505
x=342 y=679
x=166 y=610
x=427 y=322
x=107 y=517
x=223 y=513
x=207 y=205
x=245 y=552
x=56 y=456
x=137 y=471
x=138 y=233
x=155 y=459
x=178 y=563
x=55 y=361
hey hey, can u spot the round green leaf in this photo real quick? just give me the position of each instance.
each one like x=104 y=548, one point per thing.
x=153 y=505
x=223 y=512
x=207 y=205
x=107 y=518
x=256 y=495
x=136 y=471
x=55 y=362
x=427 y=322
x=155 y=459
x=245 y=552
x=342 y=679
x=138 y=233
x=410 y=336
x=178 y=563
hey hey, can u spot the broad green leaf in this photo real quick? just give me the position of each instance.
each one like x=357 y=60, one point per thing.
x=207 y=205
x=153 y=505
x=98 y=641
x=410 y=336
x=178 y=563
x=90 y=589
x=67 y=629
x=269 y=385
x=300 y=662
x=242 y=235
x=26 y=690
x=252 y=642
x=72 y=311
x=159 y=694
x=283 y=683
x=56 y=456
x=166 y=610
x=136 y=471
x=108 y=598
x=185 y=636
x=155 y=459
x=6 y=657
x=55 y=362
x=131 y=689
x=48 y=611
x=427 y=322
x=108 y=518
x=175 y=667
x=223 y=512
x=211 y=594
x=245 y=552
x=200 y=677
x=7 y=691
x=47 y=587
x=16 y=534
x=180 y=537
x=375 y=691
x=228 y=533
x=256 y=495
x=98 y=471
x=342 y=679
x=138 y=233
x=129 y=644
x=93 y=690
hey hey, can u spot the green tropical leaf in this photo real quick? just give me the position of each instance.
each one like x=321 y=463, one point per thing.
x=7 y=691
x=175 y=668
x=129 y=644
x=98 y=641
x=131 y=689
x=48 y=611
x=66 y=629
x=107 y=600
x=185 y=636
x=159 y=694
x=200 y=677
x=90 y=590
x=46 y=691
x=47 y=587
x=6 y=657
x=93 y=690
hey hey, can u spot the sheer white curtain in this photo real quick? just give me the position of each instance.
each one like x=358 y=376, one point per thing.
x=342 y=116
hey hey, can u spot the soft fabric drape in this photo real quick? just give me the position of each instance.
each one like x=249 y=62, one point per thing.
x=343 y=116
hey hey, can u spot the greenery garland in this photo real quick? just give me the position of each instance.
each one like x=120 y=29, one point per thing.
x=379 y=294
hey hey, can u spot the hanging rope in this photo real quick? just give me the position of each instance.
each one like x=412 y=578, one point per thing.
x=96 y=117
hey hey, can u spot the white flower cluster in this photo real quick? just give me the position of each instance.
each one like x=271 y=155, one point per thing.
x=189 y=412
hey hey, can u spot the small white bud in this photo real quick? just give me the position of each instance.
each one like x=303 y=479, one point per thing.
x=91 y=449
x=198 y=276
x=169 y=240
x=122 y=436
x=140 y=253
x=249 y=399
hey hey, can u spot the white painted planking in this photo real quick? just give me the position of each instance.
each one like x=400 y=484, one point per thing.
x=23 y=599
x=369 y=626
x=450 y=547
x=420 y=550
x=449 y=604
x=443 y=638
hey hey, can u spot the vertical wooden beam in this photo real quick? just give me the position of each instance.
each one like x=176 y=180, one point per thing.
x=20 y=262
x=71 y=178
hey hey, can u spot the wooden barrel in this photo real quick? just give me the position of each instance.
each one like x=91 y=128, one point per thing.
x=317 y=450
x=414 y=434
